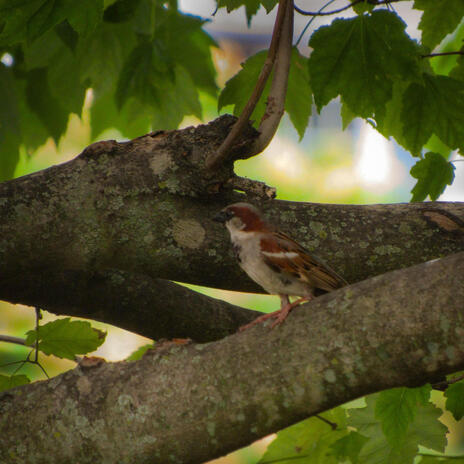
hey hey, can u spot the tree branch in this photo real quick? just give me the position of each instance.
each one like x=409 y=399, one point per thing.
x=275 y=104
x=403 y=328
x=154 y=308
x=11 y=339
x=216 y=159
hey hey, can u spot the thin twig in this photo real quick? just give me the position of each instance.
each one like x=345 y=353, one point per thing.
x=323 y=419
x=11 y=339
x=287 y=458
x=252 y=187
x=433 y=55
x=339 y=10
x=322 y=8
x=438 y=456
x=38 y=316
x=275 y=105
x=442 y=386
x=223 y=151
x=22 y=341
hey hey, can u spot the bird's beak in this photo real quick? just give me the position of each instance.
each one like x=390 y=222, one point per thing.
x=222 y=217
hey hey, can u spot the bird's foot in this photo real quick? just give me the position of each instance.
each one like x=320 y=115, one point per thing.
x=279 y=315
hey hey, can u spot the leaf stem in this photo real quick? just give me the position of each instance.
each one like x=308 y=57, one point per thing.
x=346 y=7
x=433 y=55
x=289 y=458
x=438 y=456
x=333 y=425
x=323 y=7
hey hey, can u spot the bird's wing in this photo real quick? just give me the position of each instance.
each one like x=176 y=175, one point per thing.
x=282 y=253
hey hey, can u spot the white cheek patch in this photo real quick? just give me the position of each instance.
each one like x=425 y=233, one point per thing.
x=280 y=254
x=238 y=234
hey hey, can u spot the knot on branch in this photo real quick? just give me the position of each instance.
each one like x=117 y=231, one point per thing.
x=169 y=161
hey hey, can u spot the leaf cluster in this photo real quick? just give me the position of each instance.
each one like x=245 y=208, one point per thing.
x=382 y=75
x=145 y=62
x=62 y=338
x=397 y=426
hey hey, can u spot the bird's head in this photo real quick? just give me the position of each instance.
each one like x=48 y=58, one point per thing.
x=241 y=217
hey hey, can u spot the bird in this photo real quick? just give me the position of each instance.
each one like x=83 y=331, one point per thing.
x=276 y=262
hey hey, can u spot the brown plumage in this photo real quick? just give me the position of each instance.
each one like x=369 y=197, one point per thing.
x=275 y=261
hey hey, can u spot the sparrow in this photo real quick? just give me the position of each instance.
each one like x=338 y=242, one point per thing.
x=274 y=261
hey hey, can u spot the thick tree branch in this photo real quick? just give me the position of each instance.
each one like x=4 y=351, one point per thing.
x=401 y=328
x=154 y=308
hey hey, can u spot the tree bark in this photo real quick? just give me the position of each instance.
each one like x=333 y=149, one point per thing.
x=142 y=209
x=154 y=308
x=192 y=403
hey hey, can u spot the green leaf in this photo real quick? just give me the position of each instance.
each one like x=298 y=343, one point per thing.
x=440 y=18
x=41 y=101
x=396 y=409
x=121 y=11
x=436 y=145
x=48 y=15
x=269 y=4
x=363 y=7
x=436 y=106
x=433 y=174
x=177 y=98
x=10 y=133
x=139 y=352
x=149 y=77
x=65 y=338
x=388 y=122
x=14 y=16
x=425 y=430
x=458 y=71
x=359 y=59
x=84 y=16
x=7 y=381
x=64 y=81
x=141 y=72
x=67 y=35
x=132 y=121
x=444 y=64
x=308 y=441
x=33 y=132
x=346 y=114
x=251 y=6
x=299 y=96
x=102 y=54
x=239 y=88
x=184 y=39
x=455 y=400
x=145 y=17
x=377 y=449
x=349 y=447
x=441 y=460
